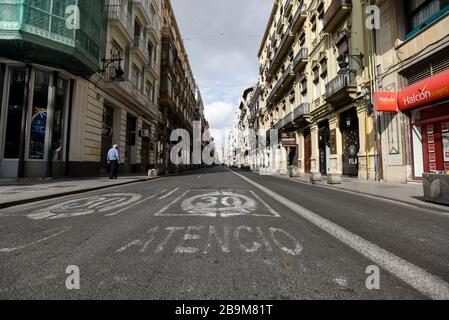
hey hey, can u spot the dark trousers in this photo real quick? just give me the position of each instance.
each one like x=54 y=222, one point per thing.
x=114 y=169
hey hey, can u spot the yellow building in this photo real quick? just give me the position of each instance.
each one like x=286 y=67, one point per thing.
x=316 y=89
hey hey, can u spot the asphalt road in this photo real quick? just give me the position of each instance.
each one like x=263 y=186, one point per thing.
x=217 y=234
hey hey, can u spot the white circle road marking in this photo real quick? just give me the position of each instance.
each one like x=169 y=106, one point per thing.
x=219 y=203
x=86 y=205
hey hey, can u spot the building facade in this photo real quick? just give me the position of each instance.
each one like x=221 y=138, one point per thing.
x=178 y=104
x=412 y=65
x=315 y=89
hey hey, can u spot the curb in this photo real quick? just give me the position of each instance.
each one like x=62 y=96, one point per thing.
x=69 y=193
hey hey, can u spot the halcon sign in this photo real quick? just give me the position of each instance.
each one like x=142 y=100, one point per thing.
x=423 y=93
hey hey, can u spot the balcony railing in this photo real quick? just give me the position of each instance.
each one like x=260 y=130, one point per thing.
x=340 y=82
x=336 y=11
x=300 y=17
x=154 y=27
x=116 y=13
x=288 y=7
x=302 y=110
x=141 y=45
x=301 y=56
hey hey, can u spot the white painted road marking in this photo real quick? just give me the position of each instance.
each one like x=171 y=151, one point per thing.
x=135 y=204
x=192 y=239
x=168 y=194
x=86 y=205
x=414 y=276
x=65 y=229
x=220 y=203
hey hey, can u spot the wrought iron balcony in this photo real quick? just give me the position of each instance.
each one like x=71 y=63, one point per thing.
x=282 y=84
x=301 y=59
x=288 y=7
x=299 y=17
x=301 y=112
x=342 y=88
x=118 y=18
x=284 y=46
x=337 y=10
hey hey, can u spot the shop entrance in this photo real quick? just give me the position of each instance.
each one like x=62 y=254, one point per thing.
x=349 y=127
x=324 y=148
x=435 y=137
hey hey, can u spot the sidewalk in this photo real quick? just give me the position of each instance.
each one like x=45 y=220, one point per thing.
x=412 y=194
x=14 y=192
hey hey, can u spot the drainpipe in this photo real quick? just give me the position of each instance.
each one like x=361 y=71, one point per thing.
x=21 y=168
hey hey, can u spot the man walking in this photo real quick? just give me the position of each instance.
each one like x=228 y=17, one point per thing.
x=114 y=161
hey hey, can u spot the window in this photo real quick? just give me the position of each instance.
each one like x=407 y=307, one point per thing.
x=58 y=112
x=421 y=13
x=316 y=82
x=135 y=76
x=39 y=113
x=14 y=113
x=321 y=17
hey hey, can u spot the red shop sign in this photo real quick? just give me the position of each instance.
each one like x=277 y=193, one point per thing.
x=386 y=101
x=425 y=92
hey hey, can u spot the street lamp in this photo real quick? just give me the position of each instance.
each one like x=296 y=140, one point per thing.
x=343 y=60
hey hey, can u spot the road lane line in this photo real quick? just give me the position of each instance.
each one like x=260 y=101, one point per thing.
x=168 y=194
x=411 y=274
x=135 y=204
x=64 y=230
x=171 y=203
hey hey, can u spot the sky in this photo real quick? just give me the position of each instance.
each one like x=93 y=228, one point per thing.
x=222 y=39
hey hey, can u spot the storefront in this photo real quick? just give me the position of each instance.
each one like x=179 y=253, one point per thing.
x=34 y=121
x=427 y=105
x=324 y=147
x=349 y=126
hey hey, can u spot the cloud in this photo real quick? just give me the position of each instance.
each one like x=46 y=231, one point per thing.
x=222 y=39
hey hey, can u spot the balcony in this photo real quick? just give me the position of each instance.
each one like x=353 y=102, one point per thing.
x=140 y=49
x=153 y=69
x=280 y=24
x=119 y=19
x=341 y=89
x=282 y=84
x=144 y=7
x=284 y=46
x=301 y=114
x=299 y=18
x=154 y=30
x=337 y=10
x=288 y=6
x=300 y=60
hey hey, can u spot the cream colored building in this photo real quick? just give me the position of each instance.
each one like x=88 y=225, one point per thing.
x=113 y=109
x=315 y=89
x=412 y=51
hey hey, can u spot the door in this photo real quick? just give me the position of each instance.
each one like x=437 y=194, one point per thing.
x=324 y=147
x=106 y=136
x=307 y=151
x=349 y=126
x=436 y=146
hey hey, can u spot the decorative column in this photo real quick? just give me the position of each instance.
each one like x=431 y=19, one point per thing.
x=367 y=156
x=283 y=170
x=300 y=160
x=315 y=174
x=336 y=156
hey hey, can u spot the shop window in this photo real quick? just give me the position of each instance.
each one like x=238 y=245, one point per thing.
x=58 y=118
x=39 y=115
x=15 y=108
